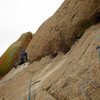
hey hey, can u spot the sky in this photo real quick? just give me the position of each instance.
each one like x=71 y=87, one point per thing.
x=19 y=16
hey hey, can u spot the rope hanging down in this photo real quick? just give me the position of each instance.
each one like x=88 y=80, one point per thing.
x=30 y=81
x=29 y=94
x=98 y=47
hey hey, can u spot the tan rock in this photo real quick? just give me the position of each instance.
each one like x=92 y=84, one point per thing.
x=71 y=76
x=74 y=76
x=60 y=31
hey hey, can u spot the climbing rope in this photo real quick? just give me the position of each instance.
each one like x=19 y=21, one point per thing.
x=30 y=81
x=98 y=47
x=29 y=94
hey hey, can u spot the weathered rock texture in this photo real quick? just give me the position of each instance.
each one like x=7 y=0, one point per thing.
x=61 y=30
x=74 y=76
x=77 y=75
x=71 y=76
x=11 y=55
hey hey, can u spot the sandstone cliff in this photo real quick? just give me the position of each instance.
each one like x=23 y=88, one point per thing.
x=74 y=76
x=60 y=31
x=11 y=55
x=72 y=33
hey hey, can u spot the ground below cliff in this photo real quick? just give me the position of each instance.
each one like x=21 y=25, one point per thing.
x=71 y=76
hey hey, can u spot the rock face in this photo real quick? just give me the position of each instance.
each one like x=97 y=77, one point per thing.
x=11 y=55
x=77 y=75
x=61 y=30
x=73 y=76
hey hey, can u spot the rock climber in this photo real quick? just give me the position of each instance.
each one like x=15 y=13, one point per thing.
x=23 y=58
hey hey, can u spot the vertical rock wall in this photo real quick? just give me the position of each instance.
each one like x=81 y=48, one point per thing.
x=61 y=30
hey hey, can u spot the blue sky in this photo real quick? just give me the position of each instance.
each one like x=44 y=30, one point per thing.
x=19 y=16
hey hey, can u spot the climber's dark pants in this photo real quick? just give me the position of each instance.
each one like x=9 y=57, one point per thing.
x=20 y=62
